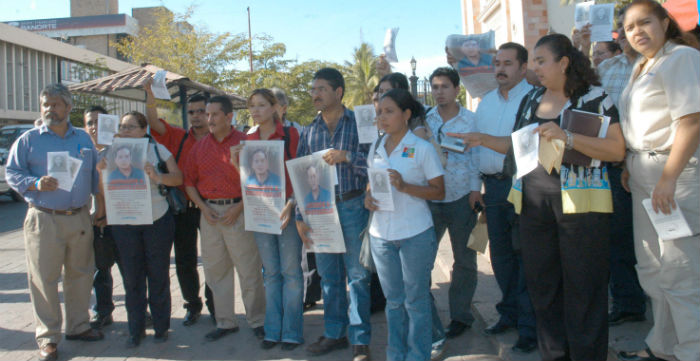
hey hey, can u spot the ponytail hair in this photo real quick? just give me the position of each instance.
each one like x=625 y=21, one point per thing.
x=404 y=100
x=673 y=32
x=580 y=75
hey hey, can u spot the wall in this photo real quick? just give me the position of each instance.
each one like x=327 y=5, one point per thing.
x=93 y=7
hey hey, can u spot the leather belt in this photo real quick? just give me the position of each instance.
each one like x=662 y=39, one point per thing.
x=497 y=176
x=348 y=195
x=223 y=202
x=66 y=212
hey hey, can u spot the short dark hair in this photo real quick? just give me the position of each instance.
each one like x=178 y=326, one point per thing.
x=333 y=77
x=397 y=80
x=612 y=46
x=522 y=52
x=446 y=72
x=223 y=101
x=199 y=97
x=95 y=108
x=404 y=100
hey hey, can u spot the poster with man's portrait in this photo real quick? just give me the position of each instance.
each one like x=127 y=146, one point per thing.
x=107 y=127
x=314 y=191
x=263 y=185
x=57 y=166
x=127 y=188
x=366 y=120
x=474 y=61
x=380 y=187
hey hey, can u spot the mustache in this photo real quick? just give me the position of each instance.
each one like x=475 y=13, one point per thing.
x=502 y=74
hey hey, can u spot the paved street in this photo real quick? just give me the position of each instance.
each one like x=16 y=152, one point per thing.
x=17 y=330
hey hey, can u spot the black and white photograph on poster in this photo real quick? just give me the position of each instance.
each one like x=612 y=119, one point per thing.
x=581 y=14
x=263 y=185
x=107 y=127
x=526 y=149
x=602 y=19
x=366 y=121
x=312 y=181
x=57 y=167
x=74 y=165
x=127 y=189
x=473 y=56
x=380 y=186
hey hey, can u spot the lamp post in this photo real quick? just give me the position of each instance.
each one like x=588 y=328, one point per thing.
x=414 y=78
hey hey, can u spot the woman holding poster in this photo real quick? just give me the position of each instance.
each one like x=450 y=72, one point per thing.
x=280 y=253
x=144 y=250
x=403 y=241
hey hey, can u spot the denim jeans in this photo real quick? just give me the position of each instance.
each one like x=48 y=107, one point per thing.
x=515 y=308
x=404 y=268
x=284 y=284
x=144 y=252
x=458 y=219
x=333 y=268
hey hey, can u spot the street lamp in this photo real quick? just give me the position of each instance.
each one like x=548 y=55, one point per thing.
x=414 y=78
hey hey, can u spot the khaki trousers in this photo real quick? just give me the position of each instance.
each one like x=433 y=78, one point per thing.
x=223 y=248
x=53 y=242
x=669 y=270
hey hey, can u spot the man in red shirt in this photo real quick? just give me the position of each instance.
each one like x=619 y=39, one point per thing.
x=179 y=142
x=213 y=184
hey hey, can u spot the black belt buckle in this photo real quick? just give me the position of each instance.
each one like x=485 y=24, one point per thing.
x=497 y=176
x=223 y=202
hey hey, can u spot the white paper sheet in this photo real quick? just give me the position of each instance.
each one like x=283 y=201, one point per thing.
x=160 y=91
x=390 y=45
x=380 y=187
x=602 y=18
x=107 y=127
x=58 y=167
x=526 y=149
x=581 y=14
x=74 y=165
x=366 y=121
x=452 y=143
x=320 y=153
x=667 y=226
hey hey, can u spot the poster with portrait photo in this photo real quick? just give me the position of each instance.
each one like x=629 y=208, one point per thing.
x=581 y=14
x=312 y=181
x=107 y=127
x=602 y=17
x=263 y=185
x=380 y=186
x=127 y=188
x=366 y=121
x=474 y=61
x=58 y=167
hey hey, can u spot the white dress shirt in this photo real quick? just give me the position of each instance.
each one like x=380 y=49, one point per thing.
x=461 y=171
x=496 y=116
x=417 y=162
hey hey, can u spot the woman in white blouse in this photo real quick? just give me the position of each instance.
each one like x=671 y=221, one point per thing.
x=403 y=240
x=660 y=117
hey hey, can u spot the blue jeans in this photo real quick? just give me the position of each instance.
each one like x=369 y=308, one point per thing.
x=404 y=268
x=284 y=284
x=515 y=308
x=332 y=267
x=458 y=219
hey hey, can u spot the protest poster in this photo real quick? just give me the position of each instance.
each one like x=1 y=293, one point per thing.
x=474 y=61
x=602 y=20
x=127 y=189
x=312 y=181
x=380 y=186
x=390 y=45
x=366 y=121
x=526 y=149
x=263 y=185
x=160 y=90
x=107 y=127
x=58 y=167
x=581 y=14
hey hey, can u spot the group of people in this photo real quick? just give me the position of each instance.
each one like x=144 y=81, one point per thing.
x=555 y=249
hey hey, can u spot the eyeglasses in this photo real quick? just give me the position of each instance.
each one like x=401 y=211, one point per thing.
x=198 y=111
x=128 y=127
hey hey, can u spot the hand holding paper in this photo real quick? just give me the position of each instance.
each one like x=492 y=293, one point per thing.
x=160 y=90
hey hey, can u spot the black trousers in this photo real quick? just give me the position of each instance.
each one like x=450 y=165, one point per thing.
x=144 y=252
x=566 y=263
x=186 y=225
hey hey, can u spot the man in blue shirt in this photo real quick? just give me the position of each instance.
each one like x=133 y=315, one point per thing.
x=496 y=116
x=57 y=229
x=334 y=127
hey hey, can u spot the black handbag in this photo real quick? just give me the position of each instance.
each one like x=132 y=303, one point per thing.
x=175 y=197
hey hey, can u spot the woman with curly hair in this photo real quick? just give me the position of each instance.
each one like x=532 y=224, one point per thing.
x=564 y=226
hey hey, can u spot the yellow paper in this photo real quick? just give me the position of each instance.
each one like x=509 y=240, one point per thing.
x=551 y=153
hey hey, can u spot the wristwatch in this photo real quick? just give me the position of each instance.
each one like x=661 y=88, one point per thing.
x=569 y=140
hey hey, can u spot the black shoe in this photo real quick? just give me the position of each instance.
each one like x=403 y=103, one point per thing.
x=88 y=335
x=133 y=341
x=219 y=333
x=456 y=328
x=191 y=318
x=160 y=337
x=497 y=329
x=524 y=345
x=288 y=346
x=643 y=355
x=98 y=321
x=309 y=305
x=617 y=318
x=148 y=320
x=266 y=344
x=259 y=332
x=325 y=345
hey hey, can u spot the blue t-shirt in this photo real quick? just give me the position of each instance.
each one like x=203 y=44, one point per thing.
x=136 y=174
x=322 y=202
x=272 y=180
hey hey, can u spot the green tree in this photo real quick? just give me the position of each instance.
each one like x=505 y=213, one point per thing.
x=361 y=77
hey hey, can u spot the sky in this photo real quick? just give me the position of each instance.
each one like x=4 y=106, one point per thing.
x=311 y=29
